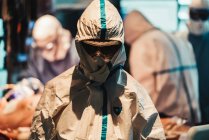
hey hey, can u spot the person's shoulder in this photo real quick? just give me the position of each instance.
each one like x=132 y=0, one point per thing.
x=182 y=34
x=154 y=33
x=133 y=85
x=59 y=87
x=154 y=41
x=64 y=77
x=181 y=39
x=135 y=90
x=150 y=38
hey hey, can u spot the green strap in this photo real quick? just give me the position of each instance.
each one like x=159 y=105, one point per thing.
x=103 y=19
x=102 y=36
x=104 y=116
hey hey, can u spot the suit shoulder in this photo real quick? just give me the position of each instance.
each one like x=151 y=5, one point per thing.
x=133 y=84
x=64 y=77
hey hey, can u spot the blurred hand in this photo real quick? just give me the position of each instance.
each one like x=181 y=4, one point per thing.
x=22 y=115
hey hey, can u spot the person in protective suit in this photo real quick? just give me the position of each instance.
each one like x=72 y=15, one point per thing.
x=52 y=52
x=165 y=66
x=97 y=99
x=198 y=35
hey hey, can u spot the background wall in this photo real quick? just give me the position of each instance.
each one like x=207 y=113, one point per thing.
x=169 y=15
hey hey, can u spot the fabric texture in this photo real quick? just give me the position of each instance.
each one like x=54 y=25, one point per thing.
x=94 y=101
x=158 y=61
x=65 y=112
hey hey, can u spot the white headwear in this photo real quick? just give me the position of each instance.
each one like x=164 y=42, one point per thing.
x=101 y=25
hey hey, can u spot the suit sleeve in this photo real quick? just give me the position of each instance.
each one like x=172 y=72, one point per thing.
x=43 y=124
x=146 y=121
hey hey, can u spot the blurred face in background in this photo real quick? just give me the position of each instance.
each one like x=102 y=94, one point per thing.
x=47 y=35
x=199 y=17
x=47 y=47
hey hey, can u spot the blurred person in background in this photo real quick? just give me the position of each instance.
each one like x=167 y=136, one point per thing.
x=97 y=99
x=165 y=66
x=53 y=50
x=198 y=36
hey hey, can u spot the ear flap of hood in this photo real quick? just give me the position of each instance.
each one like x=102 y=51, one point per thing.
x=100 y=21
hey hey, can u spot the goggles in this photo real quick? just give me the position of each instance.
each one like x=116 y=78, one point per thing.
x=107 y=51
x=199 y=14
x=49 y=46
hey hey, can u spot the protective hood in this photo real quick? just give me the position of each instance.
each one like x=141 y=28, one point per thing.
x=135 y=25
x=102 y=24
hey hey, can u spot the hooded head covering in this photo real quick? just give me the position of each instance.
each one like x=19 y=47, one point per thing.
x=51 y=38
x=100 y=25
x=135 y=24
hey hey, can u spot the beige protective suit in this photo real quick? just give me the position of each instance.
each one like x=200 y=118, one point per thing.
x=94 y=101
x=166 y=67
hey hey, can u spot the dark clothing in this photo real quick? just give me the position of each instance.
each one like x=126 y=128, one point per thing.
x=201 y=49
x=127 y=65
